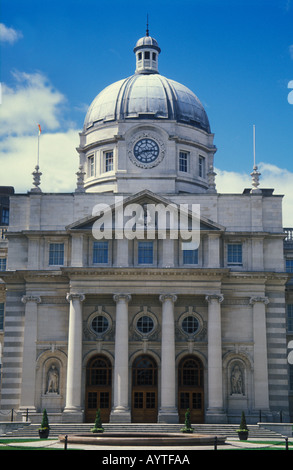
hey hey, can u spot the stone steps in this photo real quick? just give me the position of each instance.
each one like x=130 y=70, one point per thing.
x=228 y=430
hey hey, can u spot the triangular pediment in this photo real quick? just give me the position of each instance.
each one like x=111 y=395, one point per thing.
x=143 y=198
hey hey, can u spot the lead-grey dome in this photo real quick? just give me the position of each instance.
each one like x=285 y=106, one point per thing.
x=147 y=95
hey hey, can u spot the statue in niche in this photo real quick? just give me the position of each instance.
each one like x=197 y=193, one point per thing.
x=237 y=380
x=53 y=380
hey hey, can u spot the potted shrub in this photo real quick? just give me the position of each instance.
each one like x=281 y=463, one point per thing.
x=45 y=428
x=98 y=427
x=187 y=428
x=243 y=430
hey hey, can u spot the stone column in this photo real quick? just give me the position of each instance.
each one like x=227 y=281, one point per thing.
x=27 y=400
x=121 y=410
x=168 y=412
x=261 y=386
x=74 y=360
x=215 y=412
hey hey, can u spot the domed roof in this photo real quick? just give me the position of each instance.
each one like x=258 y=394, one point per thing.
x=147 y=41
x=147 y=96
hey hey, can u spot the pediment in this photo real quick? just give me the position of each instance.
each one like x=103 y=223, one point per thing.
x=143 y=198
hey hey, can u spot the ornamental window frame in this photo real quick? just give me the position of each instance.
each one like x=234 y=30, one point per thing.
x=145 y=313
x=190 y=313
x=99 y=312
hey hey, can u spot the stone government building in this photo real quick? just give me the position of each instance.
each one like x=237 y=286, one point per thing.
x=140 y=327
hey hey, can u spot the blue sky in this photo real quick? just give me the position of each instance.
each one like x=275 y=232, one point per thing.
x=236 y=56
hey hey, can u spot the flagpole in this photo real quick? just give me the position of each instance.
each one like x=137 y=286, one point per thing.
x=38 y=158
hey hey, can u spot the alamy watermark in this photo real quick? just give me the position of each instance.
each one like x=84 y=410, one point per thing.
x=148 y=221
x=290 y=96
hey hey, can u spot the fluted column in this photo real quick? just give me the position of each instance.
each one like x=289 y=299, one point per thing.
x=168 y=412
x=27 y=400
x=215 y=412
x=121 y=410
x=261 y=387
x=74 y=360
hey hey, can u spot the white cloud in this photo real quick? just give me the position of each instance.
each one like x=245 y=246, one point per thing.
x=58 y=161
x=31 y=101
x=9 y=35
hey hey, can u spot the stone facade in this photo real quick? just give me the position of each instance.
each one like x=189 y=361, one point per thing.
x=145 y=330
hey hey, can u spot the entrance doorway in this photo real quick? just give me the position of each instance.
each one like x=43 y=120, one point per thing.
x=98 y=389
x=144 y=390
x=190 y=389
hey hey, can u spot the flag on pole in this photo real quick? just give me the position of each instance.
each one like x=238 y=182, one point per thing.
x=40 y=130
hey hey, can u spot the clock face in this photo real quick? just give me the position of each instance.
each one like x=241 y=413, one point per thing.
x=146 y=150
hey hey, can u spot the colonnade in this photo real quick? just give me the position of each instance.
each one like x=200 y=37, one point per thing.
x=168 y=409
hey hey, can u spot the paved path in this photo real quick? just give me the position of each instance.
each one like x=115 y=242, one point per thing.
x=230 y=444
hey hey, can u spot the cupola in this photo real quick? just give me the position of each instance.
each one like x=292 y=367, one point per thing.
x=147 y=52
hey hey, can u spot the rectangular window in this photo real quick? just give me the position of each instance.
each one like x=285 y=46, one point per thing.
x=201 y=167
x=147 y=55
x=190 y=256
x=234 y=254
x=91 y=165
x=145 y=253
x=56 y=254
x=2 y=264
x=1 y=316
x=183 y=161
x=100 y=252
x=290 y=318
x=289 y=265
x=5 y=216
x=109 y=161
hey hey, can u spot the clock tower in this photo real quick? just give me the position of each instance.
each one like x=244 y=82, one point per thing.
x=147 y=132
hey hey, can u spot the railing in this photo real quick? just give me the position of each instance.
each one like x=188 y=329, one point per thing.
x=288 y=242
x=3 y=231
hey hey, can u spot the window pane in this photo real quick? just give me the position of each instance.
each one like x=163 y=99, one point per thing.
x=100 y=324
x=145 y=252
x=145 y=324
x=56 y=254
x=190 y=256
x=289 y=265
x=2 y=264
x=100 y=252
x=183 y=161
x=201 y=167
x=234 y=253
x=109 y=161
x=190 y=324
x=91 y=163
x=5 y=216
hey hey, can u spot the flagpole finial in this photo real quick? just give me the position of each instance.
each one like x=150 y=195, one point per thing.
x=36 y=180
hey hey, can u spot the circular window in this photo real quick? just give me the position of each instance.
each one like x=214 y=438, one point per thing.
x=190 y=325
x=145 y=324
x=100 y=324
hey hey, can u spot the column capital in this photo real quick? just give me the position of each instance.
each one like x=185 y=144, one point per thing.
x=164 y=297
x=260 y=299
x=31 y=298
x=218 y=297
x=75 y=296
x=124 y=297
